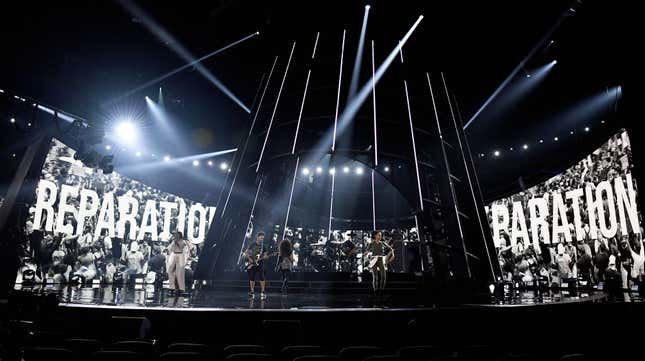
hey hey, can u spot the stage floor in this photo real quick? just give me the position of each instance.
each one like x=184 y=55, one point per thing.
x=207 y=299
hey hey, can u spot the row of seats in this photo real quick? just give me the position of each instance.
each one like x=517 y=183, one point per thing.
x=76 y=349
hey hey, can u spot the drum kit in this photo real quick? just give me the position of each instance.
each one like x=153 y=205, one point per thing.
x=336 y=255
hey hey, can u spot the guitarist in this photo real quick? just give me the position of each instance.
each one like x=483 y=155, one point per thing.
x=255 y=255
x=379 y=252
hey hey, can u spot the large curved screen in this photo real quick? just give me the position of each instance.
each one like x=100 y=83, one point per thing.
x=581 y=224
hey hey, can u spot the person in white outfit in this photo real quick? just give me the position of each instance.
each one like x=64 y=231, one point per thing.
x=176 y=266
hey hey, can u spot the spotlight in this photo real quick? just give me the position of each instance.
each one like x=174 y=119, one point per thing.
x=386 y=169
x=12 y=120
x=525 y=146
x=541 y=140
x=108 y=147
x=496 y=153
x=554 y=62
x=586 y=129
x=602 y=121
x=305 y=171
x=166 y=158
x=571 y=132
x=318 y=170
x=138 y=154
x=345 y=169
x=556 y=139
x=511 y=148
x=29 y=124
x=359 y=170
x=223 y=166
x=195 y=163
x=528 y=75
x=125 y=130
x=367 y=7
x=210 y=163
x=332 y=171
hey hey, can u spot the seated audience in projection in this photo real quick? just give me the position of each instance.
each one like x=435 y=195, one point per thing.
x=572 y=224
x=85 y=225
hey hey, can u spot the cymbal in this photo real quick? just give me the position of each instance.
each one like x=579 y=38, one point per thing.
x=337 y=242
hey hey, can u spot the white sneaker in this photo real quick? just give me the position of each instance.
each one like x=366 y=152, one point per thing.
x=263 y=296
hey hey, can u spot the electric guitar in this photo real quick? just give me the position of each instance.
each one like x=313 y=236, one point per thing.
x=256 y=260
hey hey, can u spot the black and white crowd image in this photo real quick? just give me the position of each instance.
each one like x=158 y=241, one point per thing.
x=85 y=225
x=582 y=224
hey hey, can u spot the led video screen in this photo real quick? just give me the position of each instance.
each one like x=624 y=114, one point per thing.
x=583 y=223
x=86 y=223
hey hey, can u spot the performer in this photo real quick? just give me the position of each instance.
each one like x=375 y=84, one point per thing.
x=255 y=255
x=377 y=251
x=285 y=264
x=176 y=266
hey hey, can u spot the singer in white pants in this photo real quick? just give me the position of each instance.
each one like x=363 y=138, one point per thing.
x=176 y=265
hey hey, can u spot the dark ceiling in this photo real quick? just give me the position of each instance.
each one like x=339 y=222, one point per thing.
x=79 y=55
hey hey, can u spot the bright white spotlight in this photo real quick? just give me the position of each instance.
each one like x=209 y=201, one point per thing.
x=586 y=129
x=496 y=153
x=511 y=148
x=541 y=140
x=195 y=163
x=126 y=131
x=602 y=121
x=318 y=170
x=359 y=170
x=556 y=139
x=138 y=154
x=332 y=171
x=223 y=166
x=345 y=169
x=12 y=120
x=528 y=75
x=210 y=163
x=29 y=124
x=305 y=171
x=166 y=158
x=554 y=62
x=571 y=132
x=386 y=169
x=367 y=7
x=525 y=146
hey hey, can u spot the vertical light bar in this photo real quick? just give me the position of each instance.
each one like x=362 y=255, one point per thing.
x=353 y=83
x=416 y=224
x=331 y=204
x=340 y=77
x=246 y=143
x=470 y=182
x=275 y=107
x=374 y=109
x=452 y=189
x=248 y=224
x=302 y=106
x=373 y=205
x=304 y=96
x=313 y=55
x=414 y=145
x=293 y=184
x=257 y=111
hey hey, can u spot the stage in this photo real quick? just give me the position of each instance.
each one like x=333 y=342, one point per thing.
x=233 y=296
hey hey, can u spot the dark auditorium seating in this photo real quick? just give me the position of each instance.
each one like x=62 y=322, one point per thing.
x=422 y=352
x=183 y=356
x=244 y=349
x=573 y=357
x=117 y=356
x=383 y=358
x=519 y=358
x=249 y=357
x=145 y=348
x=317 y=358
x=358 y=353
x=47 y=354
x=189 y=347
x=289 y=353
x=82 y=348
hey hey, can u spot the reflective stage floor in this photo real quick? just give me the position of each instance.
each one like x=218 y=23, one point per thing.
x=206 y=298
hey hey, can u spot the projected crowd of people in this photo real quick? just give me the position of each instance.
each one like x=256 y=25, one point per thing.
x=588 y=255
x=89 y=252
